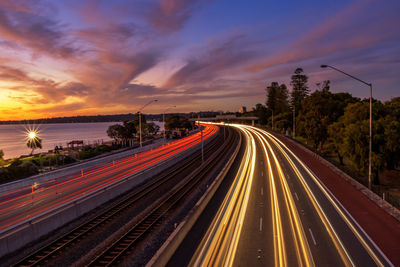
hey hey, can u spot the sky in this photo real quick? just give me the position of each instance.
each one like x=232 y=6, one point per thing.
x=68 y=58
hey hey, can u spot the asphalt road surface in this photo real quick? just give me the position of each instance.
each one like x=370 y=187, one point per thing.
x=21 y=204
x=278 y=213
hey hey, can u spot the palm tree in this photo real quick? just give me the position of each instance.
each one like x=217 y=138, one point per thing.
x=34 y=143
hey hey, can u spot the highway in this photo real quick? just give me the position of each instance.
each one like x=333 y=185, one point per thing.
x=278 y=213
x=20 y=205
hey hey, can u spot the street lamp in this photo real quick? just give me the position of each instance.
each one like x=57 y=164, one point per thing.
x=163 y=118
x=272 y=122
x=34 y=186
x=140 y=120
x=370 y=119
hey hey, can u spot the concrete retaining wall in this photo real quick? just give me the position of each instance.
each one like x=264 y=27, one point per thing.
x=76 y=167
x=19 y=235
x=164 y=254
x=371 y=195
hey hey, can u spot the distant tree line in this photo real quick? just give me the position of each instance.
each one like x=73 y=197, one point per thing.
x=107 y=118
x=336 y=120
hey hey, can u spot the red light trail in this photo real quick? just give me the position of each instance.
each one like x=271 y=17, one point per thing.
x=24 y=203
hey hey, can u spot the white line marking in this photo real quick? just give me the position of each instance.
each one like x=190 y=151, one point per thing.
x=338 y=203
x=297 y=197
x=260 y=224
x=312 y=236
x=262 y=191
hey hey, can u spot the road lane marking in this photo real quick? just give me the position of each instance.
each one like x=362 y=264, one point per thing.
x=297 y=197
x=262 y=191
x=335 y=238
x=312 y=236
x=260 y=224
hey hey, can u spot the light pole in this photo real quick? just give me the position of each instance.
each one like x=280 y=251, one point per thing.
x=370 y=119
x=140 y=120
x=294 y=120
x=163 y=118
x=272 y=122
x=34 y=186
x=202 y=145
x=272 y=119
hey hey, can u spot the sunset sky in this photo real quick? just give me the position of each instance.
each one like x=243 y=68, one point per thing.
x=65 y=58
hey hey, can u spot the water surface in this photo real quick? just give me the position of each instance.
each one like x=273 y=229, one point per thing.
x=13 y=137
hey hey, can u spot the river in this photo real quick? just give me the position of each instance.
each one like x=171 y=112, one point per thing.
x=13 y=137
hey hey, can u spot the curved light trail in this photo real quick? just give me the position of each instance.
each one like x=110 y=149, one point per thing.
x=220 y=243
x=289 y=230
x=22 y=204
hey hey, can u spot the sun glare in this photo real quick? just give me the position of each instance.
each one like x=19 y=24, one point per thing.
x=31 y=135
x=32 y=132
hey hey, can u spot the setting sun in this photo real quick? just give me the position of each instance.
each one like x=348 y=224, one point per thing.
x=32 y=135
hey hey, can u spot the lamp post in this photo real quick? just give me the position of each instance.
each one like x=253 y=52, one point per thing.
x=272 y=119
x=272 y=111
x=34 y=186
x=202 y=144
x=294 y=120
x=370 y=119
x=163 y=118
x=140 y=120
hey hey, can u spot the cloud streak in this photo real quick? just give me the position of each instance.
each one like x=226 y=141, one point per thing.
x=96 y=57
x=32 y=31
x=335 y=35
x=217 y=59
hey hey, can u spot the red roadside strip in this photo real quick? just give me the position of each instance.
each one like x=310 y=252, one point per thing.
x=383 y=228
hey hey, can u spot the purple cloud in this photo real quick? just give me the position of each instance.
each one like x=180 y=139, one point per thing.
x=217 y=59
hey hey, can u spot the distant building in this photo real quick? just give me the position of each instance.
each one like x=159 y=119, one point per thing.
x=242 y=110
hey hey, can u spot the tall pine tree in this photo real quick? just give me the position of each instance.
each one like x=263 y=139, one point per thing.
x=272 y=91
x=299 y=88
x=277 y=98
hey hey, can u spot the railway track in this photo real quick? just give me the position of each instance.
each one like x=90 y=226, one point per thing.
x=114 y=253
x=83 y=231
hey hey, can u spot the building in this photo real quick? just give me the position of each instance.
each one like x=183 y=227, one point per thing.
x=242 y=110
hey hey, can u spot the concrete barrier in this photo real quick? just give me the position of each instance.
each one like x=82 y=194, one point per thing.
x=386 y=206
x=164 y=254
x=17 y=236
x=76 y=167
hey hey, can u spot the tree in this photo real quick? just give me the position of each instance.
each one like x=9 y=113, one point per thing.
x=299 y=88
x=272 y=91
x=326 y=85
x=277 y=98
x=319 y=110
x=177 y=122
x=282 y=103
x=129 y=130
x=261 y=112
x=115 y=131
x=151 y=128
x=173 y=122
x=350 y=136
x=34 y=143
x=186 y=124
x=123 y=132
x=391 y=144
x=1 y=154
